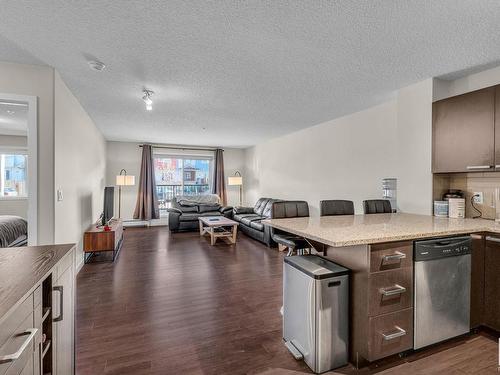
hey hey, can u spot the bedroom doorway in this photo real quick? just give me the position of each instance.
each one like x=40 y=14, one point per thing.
x=18 y=170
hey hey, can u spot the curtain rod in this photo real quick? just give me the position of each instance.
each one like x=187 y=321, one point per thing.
x=193 y=148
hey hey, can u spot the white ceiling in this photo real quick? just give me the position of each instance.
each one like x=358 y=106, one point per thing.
x=234 y=73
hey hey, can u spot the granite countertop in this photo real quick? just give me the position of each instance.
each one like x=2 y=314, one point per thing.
x=338 y=231
x=22 y=268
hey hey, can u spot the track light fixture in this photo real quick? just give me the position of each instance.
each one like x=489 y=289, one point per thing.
x=147 y=99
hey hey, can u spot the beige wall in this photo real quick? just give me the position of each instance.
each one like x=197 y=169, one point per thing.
x=38 y=81
x=127 y=155
x=80 y=168
x=414 y=148
x=348 y=157
x=345 y=158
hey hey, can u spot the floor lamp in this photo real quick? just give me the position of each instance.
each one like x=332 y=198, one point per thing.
x=123 y=180
x=236 y=180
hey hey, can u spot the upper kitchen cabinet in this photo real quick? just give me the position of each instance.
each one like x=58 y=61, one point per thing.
x=464 y=132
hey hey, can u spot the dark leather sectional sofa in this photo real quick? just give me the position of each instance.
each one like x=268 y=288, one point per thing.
x=185 y=218
x=249 y=219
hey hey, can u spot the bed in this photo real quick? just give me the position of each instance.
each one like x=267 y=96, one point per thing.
x=13 y=231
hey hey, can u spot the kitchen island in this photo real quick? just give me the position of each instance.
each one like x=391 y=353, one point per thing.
x=37 y=309
x=378 y=249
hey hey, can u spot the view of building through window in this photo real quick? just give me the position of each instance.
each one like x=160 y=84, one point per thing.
x=181 y=175
x=13 y=175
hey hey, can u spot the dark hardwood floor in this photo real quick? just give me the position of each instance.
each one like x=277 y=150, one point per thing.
x=173 y=304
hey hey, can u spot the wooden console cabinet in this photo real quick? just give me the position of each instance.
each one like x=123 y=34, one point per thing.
x=96 y=239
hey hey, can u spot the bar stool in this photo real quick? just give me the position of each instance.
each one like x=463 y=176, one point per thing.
x=336 y=207
x=377 y=206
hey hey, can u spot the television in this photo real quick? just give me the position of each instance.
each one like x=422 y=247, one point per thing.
x=109 y=204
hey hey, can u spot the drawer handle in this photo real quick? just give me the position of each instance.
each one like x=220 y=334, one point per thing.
x=472 y=167
x=59 y=289
x=31 y=332
x=393 y=290
x=391 y=336
x=397 y=255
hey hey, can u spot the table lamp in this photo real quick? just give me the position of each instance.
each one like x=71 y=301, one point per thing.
x=123 y=180
x=236 y=180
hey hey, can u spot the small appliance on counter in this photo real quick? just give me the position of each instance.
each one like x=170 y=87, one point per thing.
x=316 y=311
x=453 y=193
x=389 y=191
x=456 y=208
x=441 y=208
x=452 y=205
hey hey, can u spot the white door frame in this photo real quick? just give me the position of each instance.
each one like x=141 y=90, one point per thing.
x=32 y=161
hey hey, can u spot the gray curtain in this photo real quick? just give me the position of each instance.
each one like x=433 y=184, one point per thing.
x=146 y=207
x=219 y=181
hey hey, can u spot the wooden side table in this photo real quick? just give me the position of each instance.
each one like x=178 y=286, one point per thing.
x=216 y=227
x=96 y=239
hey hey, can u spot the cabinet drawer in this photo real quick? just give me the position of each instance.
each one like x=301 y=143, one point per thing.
x=390 y=291
x=390 y=334
x=10 y=325
x=388 y=256
x=15 y=343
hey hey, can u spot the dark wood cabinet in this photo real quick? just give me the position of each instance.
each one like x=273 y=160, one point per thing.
x=477 y=281
x=464 y=132
x=492 y=283
x=381 y=298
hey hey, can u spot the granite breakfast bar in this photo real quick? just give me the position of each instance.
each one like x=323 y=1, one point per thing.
x=378 y=249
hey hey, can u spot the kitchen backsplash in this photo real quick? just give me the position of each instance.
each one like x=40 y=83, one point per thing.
x=485 y=182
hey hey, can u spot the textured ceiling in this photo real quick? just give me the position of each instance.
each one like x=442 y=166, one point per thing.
x=234 y=73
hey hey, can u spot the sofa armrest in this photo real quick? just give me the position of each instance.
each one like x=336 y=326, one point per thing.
x=243 y=210
x=172 y=210
x=225 y=208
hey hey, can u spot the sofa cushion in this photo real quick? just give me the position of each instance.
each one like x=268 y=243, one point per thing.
x=257 y=225
x=240 y=217
x=208 y=207
x=187 y=208
x=260 y=205
x=247 y=220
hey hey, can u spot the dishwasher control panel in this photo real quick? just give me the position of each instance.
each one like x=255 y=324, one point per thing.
x=441 y=248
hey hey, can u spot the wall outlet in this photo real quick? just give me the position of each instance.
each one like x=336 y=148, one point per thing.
x=60 y=196
x=478 y=197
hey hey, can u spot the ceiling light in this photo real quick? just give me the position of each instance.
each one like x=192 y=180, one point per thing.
x=147 y=99
x=97 y=65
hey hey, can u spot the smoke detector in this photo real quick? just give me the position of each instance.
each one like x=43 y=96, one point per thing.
x=97 y=65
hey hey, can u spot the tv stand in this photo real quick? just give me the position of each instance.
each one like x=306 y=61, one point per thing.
x=96 y=239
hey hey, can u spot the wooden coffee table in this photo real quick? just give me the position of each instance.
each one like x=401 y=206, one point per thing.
x=218 y=227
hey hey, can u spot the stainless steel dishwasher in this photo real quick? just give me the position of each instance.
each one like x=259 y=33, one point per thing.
x=316 y=311
x=442 y=289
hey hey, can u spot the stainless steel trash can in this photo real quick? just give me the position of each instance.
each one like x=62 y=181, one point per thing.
x=316 y=311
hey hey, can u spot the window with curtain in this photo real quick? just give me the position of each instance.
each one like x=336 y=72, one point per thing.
x=13 y=175
x=181 y=175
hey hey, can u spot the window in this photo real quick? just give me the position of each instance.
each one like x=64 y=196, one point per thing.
x=13 y=174
x=181 y=175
